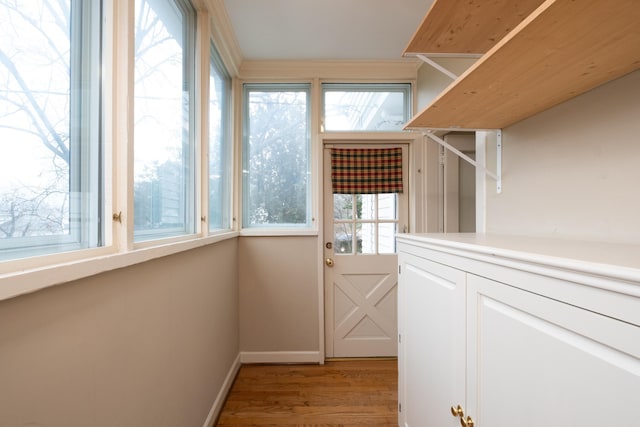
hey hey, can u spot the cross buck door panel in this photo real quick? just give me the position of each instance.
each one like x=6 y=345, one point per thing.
x=360 y=274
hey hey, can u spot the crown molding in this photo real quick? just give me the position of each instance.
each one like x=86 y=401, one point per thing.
x=223 y=35
x=401 y=69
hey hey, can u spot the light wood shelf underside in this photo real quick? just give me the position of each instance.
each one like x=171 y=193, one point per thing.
x=465 y=26
x=563 y=49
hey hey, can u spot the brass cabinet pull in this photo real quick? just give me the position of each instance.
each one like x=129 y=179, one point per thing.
x=466 y=423
x=457 y=411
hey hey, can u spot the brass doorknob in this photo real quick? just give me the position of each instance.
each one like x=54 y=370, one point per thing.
x=329 y=262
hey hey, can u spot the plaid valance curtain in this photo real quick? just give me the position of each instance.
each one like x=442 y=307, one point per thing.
x=366 y=170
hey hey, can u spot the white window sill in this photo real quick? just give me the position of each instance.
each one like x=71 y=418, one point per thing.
x=246 y=232
x=22 y=282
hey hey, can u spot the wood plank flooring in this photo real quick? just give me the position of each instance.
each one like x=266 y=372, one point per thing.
x=340 y=394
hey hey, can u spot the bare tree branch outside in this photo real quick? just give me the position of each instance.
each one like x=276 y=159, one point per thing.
x=49 y=96
x=34 y=117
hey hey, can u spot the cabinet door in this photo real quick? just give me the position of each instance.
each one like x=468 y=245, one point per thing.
x=432 y=342
x=534 y=361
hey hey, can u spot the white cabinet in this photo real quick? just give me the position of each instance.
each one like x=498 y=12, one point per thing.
x=535 y=361
x=432 y=341
x=516 y=338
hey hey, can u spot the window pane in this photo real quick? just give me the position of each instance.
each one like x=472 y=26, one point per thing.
x=387 y=206
x=366 y=206
x=49 y=127
x=366 y=238
x=219 y=145
x=163 y=163
x=276 y=167
x=343 y=206
x=387 y=238
x=343 y=238
x=366 y=107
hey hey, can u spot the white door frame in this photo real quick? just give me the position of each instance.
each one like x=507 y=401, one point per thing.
x=416 y=201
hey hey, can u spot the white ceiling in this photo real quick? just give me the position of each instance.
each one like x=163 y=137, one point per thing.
x=324 y=29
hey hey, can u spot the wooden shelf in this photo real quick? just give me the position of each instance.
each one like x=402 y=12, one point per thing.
x=561 y=50
x=461 y=27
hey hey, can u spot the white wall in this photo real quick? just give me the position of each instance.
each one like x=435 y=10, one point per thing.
x=146 y=345
x=574 y=170
x=431 y=81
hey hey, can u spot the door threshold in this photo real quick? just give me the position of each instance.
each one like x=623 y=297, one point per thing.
x=351 y=359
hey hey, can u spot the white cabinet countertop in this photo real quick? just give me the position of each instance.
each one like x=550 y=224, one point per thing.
x=614 y=260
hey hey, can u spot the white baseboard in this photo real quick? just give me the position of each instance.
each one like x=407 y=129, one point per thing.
x=281 y=357
x=222 y=394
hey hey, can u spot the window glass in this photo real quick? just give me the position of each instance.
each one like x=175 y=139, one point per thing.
x=365 y=107
x=50 y=184
x=366 y=205
x=163 y=112
x=276 y=166
x=365 y=223
x=219 y=144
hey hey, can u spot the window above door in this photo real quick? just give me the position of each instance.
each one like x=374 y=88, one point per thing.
x=370 y=107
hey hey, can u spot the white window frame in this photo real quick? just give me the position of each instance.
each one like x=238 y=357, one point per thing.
x=225 y=223
x=189 y=186
x=86 y=191
x=24 y=275
x=399 y=87
x=277 y=228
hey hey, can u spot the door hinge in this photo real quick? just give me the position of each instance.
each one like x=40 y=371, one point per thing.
x=399 y=269
x=399 y=407
x=400 y=338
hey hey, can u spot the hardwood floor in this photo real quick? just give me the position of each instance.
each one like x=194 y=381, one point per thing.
x=340 y=394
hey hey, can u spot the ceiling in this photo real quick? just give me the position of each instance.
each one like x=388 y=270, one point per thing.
x=324 y=29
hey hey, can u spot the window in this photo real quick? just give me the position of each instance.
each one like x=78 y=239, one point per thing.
x=370 y=228
x=50 y=170
x=164 y=172
x=219 y=144
x=366 y=107
x=276 y=165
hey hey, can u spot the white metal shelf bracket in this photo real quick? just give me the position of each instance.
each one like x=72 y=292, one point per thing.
x=499 y=161
x=437 y=66
x=497 y=176
x=427 y=59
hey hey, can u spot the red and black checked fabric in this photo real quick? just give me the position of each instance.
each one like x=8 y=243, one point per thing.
x=366 y=170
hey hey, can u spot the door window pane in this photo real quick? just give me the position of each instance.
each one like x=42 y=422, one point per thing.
x=387 y=206
x=374 y=221
x=342 y=206
x=163 y=137
x=366 y=206
x=343 y=238
x=387 y=238
x=366 y=238
x=366 y=107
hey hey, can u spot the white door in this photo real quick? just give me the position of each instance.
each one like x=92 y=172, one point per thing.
x=360 y=273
